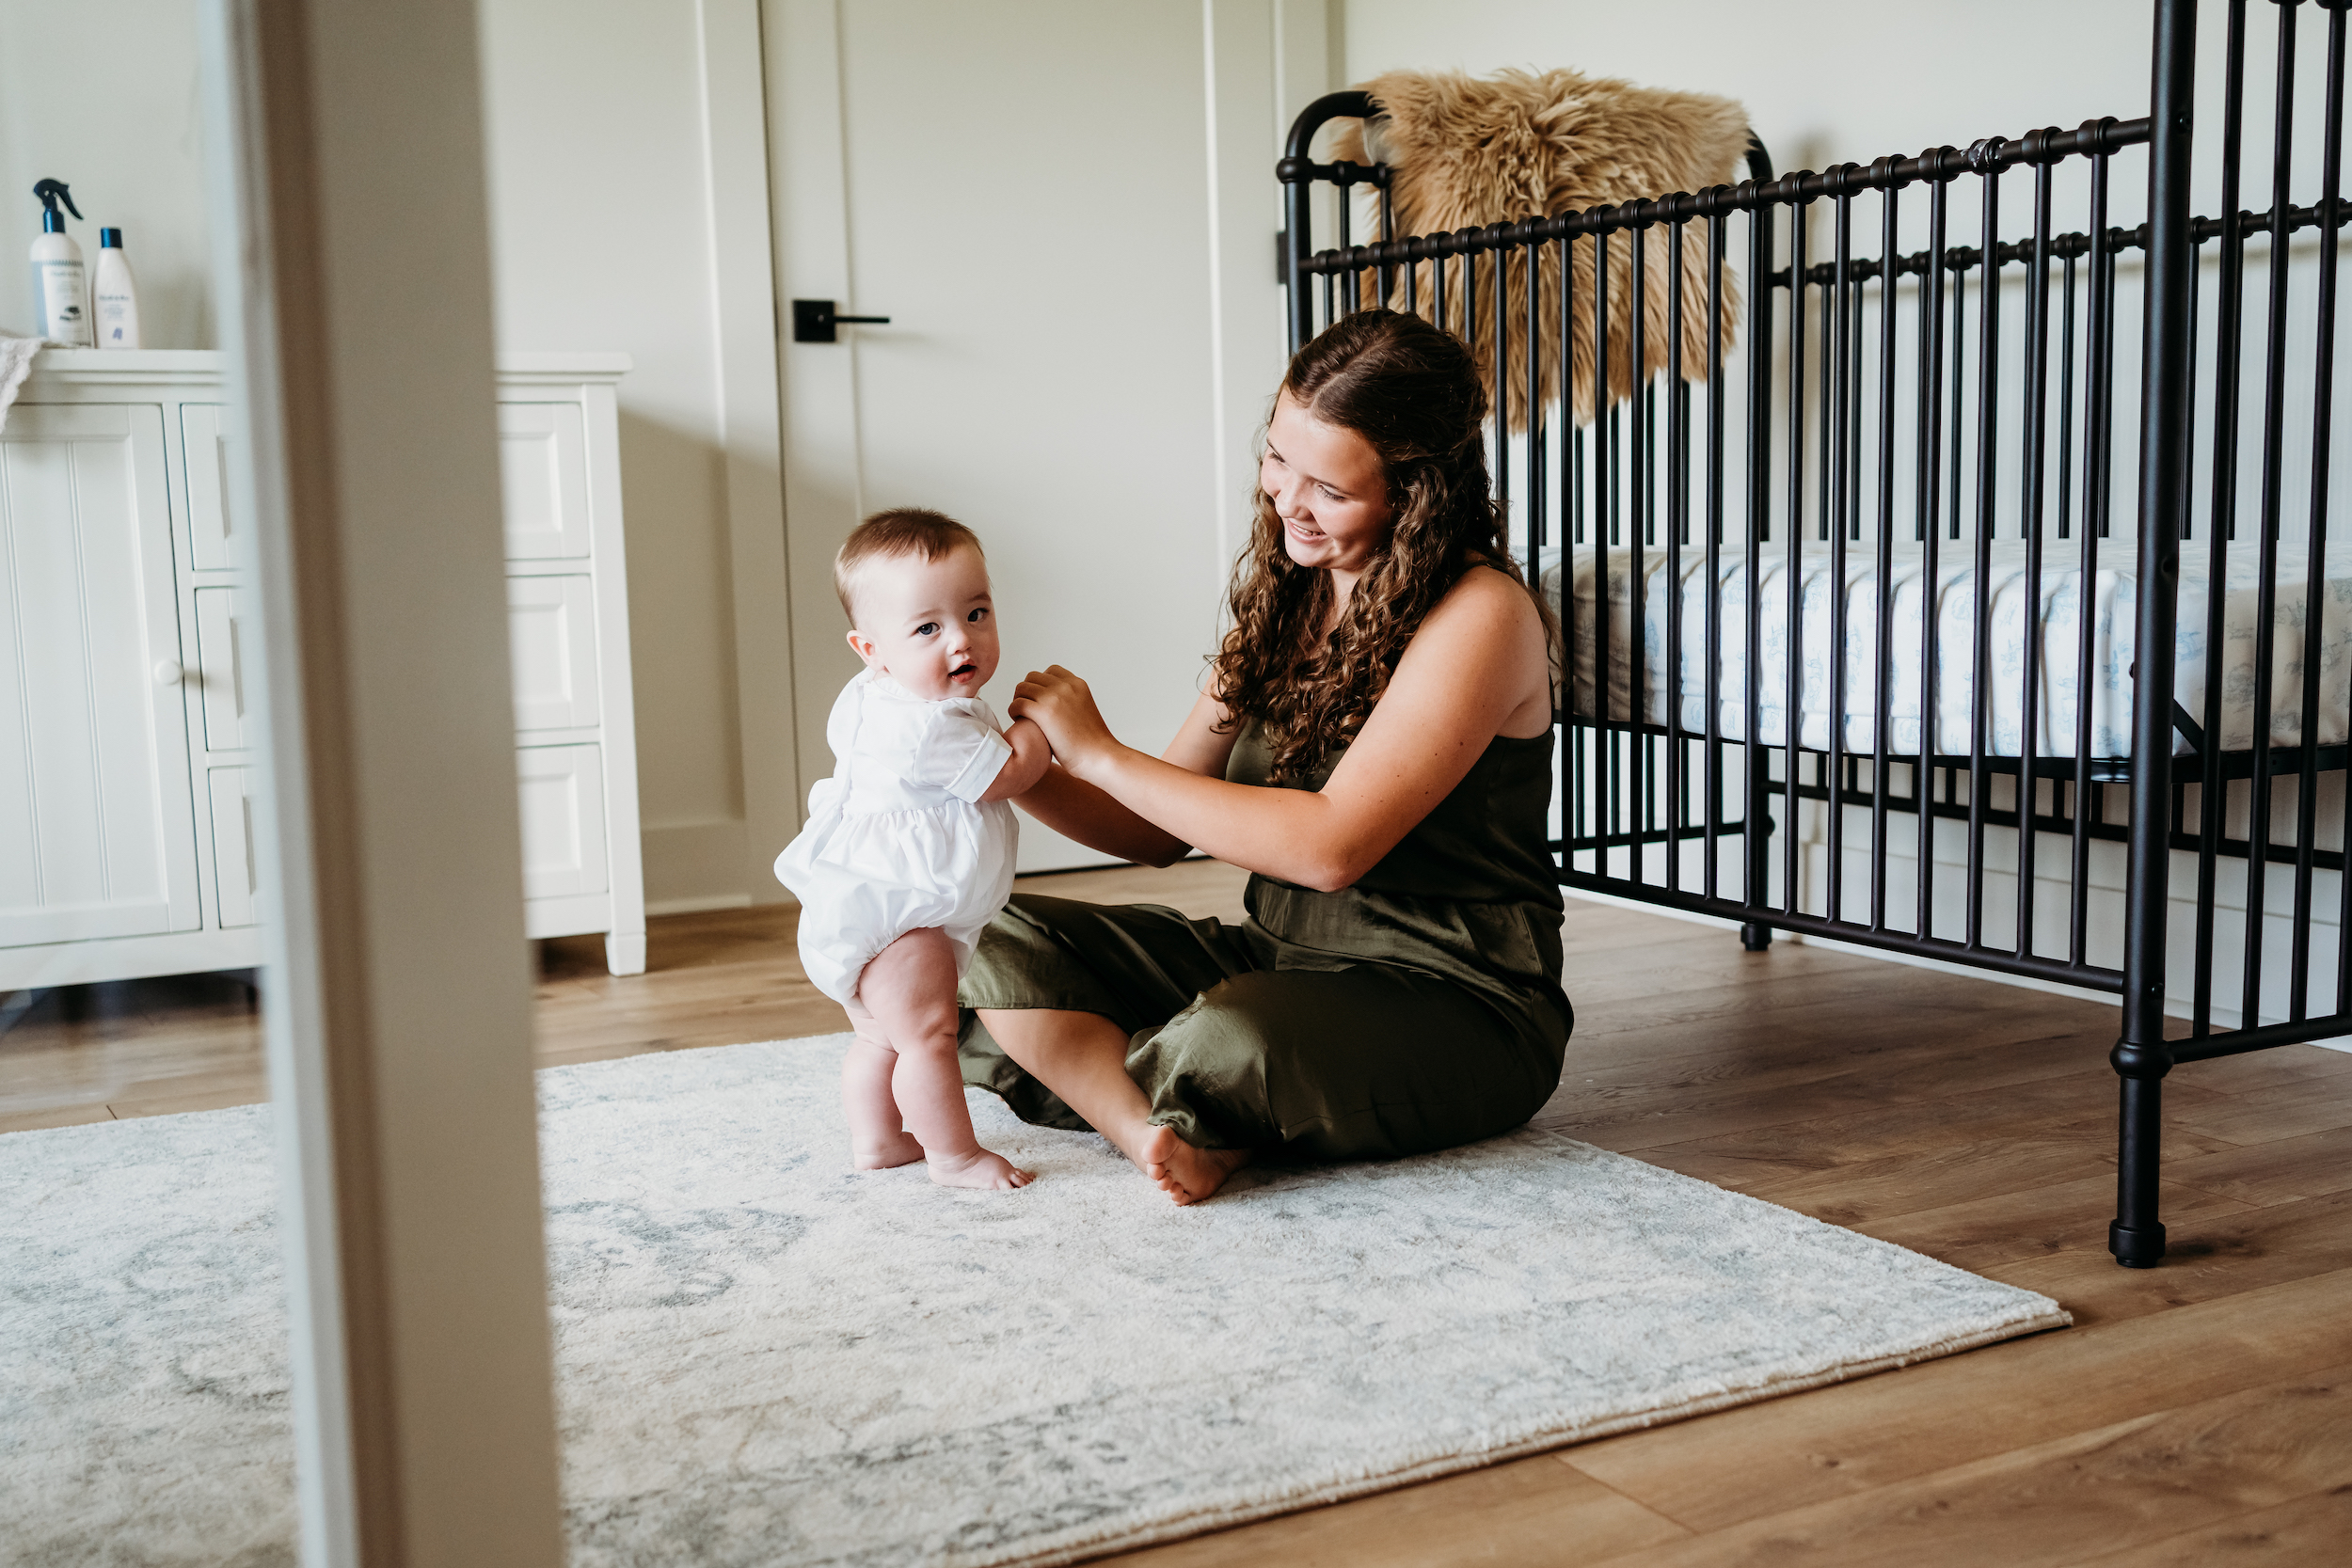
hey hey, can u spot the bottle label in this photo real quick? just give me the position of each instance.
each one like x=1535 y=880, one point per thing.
x=64 y=316
x=117 y=321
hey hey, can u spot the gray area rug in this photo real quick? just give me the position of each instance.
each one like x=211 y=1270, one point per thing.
x=764 y=1358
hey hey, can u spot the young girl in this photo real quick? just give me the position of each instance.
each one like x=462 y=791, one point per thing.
x=909 y=847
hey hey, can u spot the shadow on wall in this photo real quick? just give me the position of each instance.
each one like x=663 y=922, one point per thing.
x=681 y=624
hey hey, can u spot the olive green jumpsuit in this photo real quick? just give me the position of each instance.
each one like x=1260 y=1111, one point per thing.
x=1418 y=1009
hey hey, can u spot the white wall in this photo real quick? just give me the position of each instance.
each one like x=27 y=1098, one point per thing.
x=101 y=94
x=600 y=236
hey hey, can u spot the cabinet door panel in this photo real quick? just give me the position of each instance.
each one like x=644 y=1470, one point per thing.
x=203 y=433
x=551 y=637
x=97 y=823
x=220 y=668
x=562 y=810
x=543 y=466
x=235 y=888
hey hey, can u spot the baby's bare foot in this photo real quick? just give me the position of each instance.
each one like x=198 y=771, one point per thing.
x=884 y=1153
x=979 y=1169
x=1184 y=1173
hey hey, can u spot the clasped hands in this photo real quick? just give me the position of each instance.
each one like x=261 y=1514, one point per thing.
x=1060 y=704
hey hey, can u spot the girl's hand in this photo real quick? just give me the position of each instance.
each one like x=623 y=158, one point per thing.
x=1060 y=704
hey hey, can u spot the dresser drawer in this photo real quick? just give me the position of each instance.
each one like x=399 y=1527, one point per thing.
x=235 y=884
x=220 y=634
x=543 y=464
x=562 y=818
x=204 y=435
x=551 y=638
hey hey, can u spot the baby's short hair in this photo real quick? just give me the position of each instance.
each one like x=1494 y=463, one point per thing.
x=899 y=530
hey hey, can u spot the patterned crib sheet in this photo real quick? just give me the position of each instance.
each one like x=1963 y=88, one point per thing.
x=2053 y=623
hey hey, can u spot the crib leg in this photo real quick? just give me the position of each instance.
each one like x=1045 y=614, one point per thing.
x=1755 y=937
x=2136 y=1237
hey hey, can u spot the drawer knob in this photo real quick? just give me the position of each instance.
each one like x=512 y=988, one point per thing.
x=167 y=673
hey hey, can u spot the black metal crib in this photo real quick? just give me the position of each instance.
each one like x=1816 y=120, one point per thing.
x=1907 y=460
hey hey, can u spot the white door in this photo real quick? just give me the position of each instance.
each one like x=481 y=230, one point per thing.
x=97 y=821
x=1023 y=190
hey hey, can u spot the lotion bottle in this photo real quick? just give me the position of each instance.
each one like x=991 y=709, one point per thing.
x=60 y=283
x=117 y=296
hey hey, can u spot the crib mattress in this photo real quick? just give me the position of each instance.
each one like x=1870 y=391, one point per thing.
x=2053 y=626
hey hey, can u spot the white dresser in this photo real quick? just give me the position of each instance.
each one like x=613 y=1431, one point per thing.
x=125 y=765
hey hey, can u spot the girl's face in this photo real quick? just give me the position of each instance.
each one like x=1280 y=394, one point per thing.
x=1328 y=487
x=928 y=624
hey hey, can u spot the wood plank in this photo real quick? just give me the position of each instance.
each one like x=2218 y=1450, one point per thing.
x=1760 y=1461
x=62 y=1116
x=2278 y=1171
x=1698 y=1094
x=2034 y=1222
x=2262 y=1070
x=2210 y=1258
x=2314 y=1529
x=1942 y=1173
x=180 y=1105
x=2057 y=1502
x=1854 y=1165
x=2287 y=1111
x=1525 y=1513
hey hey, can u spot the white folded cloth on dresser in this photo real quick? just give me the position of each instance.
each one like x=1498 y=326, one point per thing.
x=2053 y=626
x=16 y=363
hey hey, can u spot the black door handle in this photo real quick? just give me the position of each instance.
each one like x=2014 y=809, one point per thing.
x=812 y=321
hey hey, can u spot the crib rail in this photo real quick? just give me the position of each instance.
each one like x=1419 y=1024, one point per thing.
x=1912 y=704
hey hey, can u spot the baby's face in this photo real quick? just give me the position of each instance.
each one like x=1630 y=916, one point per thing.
x=928 y=624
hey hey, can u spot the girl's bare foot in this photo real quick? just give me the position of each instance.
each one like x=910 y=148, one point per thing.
x=884 y=1153
x=979 y=1169
x=1184 y=1173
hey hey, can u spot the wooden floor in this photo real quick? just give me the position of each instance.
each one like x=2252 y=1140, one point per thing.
x=2198 y=1413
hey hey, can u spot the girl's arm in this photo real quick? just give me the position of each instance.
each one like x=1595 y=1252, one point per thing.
x=1031 y=753
x=1077 y=809
x=1476 y=668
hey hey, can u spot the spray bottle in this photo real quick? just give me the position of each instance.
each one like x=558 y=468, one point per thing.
x=60 y=283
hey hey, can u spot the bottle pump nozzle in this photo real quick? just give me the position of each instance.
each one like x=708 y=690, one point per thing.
x=51 y=192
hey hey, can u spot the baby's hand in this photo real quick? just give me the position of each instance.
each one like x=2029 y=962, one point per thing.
x=1031 y=755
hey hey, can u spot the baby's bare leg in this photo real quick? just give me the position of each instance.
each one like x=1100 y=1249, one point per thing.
x=910 y=987
x=877 y=1137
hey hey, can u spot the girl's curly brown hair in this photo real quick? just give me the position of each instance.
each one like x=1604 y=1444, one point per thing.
x=1412 y=391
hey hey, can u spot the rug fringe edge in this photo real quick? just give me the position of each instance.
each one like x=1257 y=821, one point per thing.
x=1230 y=1515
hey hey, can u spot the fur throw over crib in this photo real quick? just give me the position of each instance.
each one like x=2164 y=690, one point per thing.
x=1467 y=151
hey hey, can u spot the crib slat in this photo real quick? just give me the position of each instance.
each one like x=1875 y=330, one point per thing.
x=2036 y=414
x=1573 y=739
x=1837 y=341
x=1757 y=762
x=2213 y=790
x=2314 y=599
x=1791 y=753
x=1637 y=618
x=1930 y=580
x=1605 y=823
x=1988 y=473
x=1678 y=518
x=1713 y=753
x=2087 y=797
x=1882 y=781
x=2259 y=803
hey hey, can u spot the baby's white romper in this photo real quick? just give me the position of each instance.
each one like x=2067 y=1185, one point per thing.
x=898 y=839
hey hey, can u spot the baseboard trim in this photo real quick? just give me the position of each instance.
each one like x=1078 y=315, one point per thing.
x=697 y=906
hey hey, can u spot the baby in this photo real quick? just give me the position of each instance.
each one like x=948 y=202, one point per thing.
x=909 y=847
